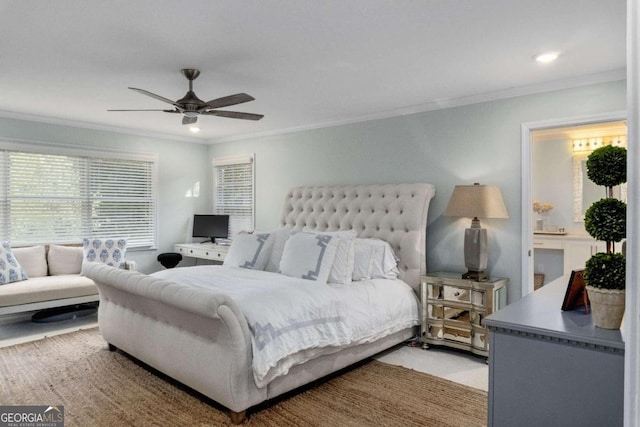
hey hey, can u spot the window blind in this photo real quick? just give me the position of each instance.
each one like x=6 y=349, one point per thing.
x=234 y=192
x=59 y=198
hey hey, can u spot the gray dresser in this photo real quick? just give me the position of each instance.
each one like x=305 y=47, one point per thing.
x=548 y=367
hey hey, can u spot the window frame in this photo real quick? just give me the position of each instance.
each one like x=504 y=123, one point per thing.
x=218 y=162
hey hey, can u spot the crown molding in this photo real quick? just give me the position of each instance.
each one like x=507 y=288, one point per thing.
x=95 y=126
x=555 y=85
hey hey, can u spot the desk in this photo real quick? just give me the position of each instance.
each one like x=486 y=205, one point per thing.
x=209 y=251
x=549 y=367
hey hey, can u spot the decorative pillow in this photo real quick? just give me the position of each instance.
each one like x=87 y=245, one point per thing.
x=280 y=237
x=249 y=251
x=374 y=259
x=64 y=260
x=342 y=268
x=309 y=256
x=32 y=260
x=106 y=251
x=10 y=269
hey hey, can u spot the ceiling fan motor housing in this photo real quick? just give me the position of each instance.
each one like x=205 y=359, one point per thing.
x=190 y=73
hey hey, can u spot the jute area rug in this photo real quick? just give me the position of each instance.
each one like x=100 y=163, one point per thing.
x=102 y=388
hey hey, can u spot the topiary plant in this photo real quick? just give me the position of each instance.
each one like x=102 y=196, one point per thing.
x=605 y=271
x=606 y=219
x=607 y=166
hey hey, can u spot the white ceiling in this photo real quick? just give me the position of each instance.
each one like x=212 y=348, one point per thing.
x=308 y=63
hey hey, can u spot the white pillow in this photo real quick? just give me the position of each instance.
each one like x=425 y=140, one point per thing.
x=309 y=256
x=10 y=268
x=249 y=251
x=106 y=251
x=342 y=268
x=32 y=260
x=374 y=259
x=64 y=260
x=280 y=237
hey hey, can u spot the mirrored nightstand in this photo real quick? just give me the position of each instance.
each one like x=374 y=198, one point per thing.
x=453 y=310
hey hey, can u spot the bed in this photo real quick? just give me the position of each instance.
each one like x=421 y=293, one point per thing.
x=204 y=338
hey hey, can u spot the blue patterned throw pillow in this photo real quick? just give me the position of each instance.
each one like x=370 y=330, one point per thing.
x=10 y=268
x=107 y=251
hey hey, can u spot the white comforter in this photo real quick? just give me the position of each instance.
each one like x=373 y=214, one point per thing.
x=295 y=320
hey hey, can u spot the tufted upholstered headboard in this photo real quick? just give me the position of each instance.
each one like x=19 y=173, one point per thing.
x=396 y=213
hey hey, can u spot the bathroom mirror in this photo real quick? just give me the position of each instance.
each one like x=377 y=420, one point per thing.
x=585 y=192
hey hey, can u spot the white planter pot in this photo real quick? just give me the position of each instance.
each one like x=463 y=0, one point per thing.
x=607 y=307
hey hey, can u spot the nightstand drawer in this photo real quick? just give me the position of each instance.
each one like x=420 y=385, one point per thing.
x=440 y=311
x=442 y=331
x=440 y=291
x=452 y=315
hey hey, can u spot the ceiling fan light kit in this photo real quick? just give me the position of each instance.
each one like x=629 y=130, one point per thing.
x=190 y=106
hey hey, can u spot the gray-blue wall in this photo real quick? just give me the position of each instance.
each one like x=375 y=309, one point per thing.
x=462 y=145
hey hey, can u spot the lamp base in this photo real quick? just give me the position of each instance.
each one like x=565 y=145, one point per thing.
x=478 y=276
x=475 y=253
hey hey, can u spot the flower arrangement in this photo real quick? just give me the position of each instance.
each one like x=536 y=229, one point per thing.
x=541 y=207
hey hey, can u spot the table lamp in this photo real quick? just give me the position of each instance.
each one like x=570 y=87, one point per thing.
x=475 y=201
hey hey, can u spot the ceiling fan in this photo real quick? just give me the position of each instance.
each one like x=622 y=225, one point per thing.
x=191 y=106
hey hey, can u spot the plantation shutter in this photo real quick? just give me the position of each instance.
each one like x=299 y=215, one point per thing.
x=234 y=193
x=46 y=197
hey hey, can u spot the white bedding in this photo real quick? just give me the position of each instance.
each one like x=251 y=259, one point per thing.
x=294 y=320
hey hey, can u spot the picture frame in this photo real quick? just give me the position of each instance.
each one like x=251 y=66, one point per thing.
x=576 y=294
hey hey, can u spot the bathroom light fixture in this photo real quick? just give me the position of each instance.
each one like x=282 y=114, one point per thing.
x=194 y=129
x=547 y=57
x=584 y=145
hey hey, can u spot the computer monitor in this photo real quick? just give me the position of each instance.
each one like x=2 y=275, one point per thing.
x=211 y=226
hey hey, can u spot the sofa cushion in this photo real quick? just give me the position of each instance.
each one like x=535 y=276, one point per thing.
x=10 y=268
x=64 y=260
x=106 y=251
x=32 y=260
x=46 y=288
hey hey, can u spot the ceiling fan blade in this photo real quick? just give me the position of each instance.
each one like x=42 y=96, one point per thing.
x=144 y=110
x=189 y=120
x=234 y=115
x=226 y=101
x=158 y=97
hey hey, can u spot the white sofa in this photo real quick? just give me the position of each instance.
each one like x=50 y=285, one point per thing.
x=54 y=280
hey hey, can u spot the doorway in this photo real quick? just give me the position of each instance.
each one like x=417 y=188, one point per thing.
x=552 y=176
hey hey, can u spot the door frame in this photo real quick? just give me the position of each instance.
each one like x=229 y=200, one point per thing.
x=526 y=130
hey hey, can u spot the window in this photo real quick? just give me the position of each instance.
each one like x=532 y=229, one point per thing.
x=60 y=195
x=233 y=191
